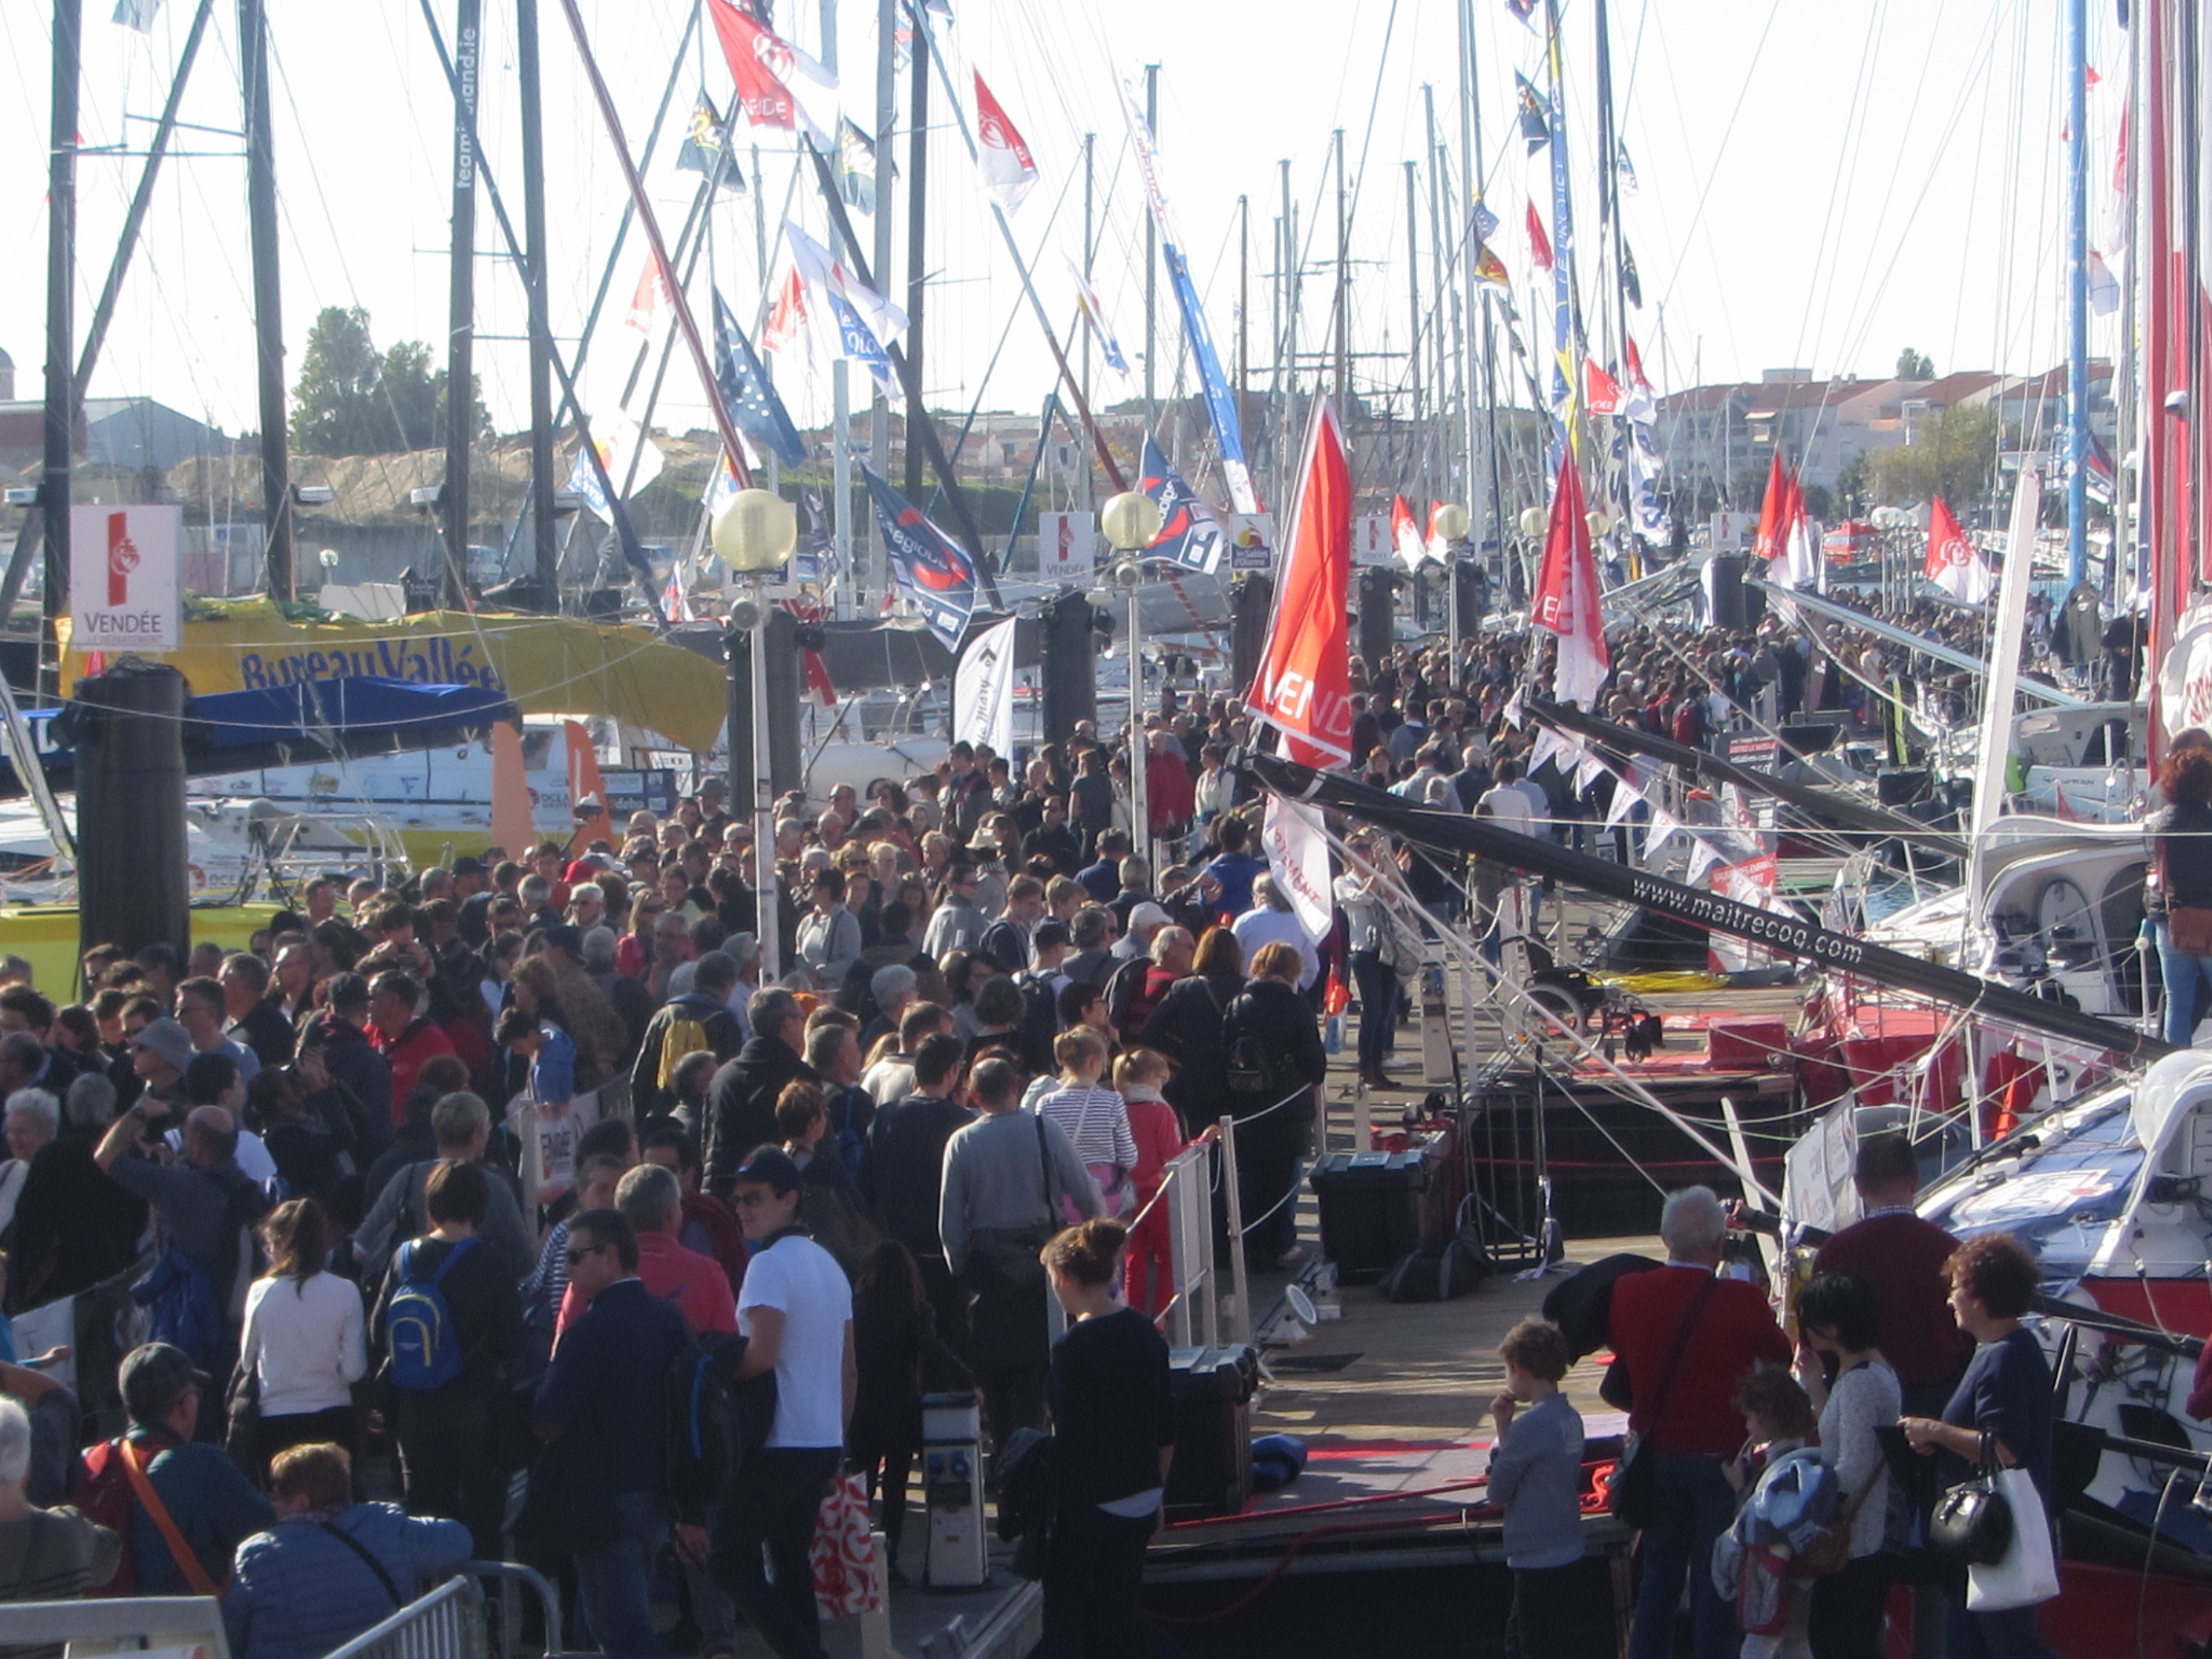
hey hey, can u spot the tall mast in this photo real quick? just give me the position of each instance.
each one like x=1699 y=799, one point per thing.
x=879 y=412
x=268 y=309
x=1413 y=303
x=1084 y=494
x=544 y=540
x=1243 y=297
x=1151 y=256
x=1566 y=365
x=1478 y=412
x=917 y=257
x=1287 y=339
x=61 y=329
x=461 y=319
x=841 y=389
x=1437 y=462
x=1343 y=305
x=2077 y=295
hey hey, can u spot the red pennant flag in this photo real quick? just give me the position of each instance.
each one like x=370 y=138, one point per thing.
x=1773 y=511
x=1540 y=245
x=790 y=313
x=1565 y=600
x=1636 y=375
x=1954 y=564
x=1000 y=150
x=1601 y=392
x=1303 y=686
x=764 y=64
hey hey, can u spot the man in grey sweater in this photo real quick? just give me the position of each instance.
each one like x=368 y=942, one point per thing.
x=1004 y=1177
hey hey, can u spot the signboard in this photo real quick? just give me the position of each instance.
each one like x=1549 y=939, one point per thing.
x=1251 y=541
x=1735 y=533
x=650 y=790
x=1067 y=547
x=124 y=592
x=1371 y=542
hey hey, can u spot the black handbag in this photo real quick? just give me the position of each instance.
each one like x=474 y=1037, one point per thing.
x=1972 y=1521
x=1006 y=1263
x=1633 y=1497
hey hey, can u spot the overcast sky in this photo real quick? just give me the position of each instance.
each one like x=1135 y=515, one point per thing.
x=1818 y=186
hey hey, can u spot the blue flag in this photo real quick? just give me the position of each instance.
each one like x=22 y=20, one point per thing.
x=1535 y=125
x=931 y=568
x=1190 y=536
x=707 y=146
x=747 y=390
x=1220 y=402
x=1486 y=224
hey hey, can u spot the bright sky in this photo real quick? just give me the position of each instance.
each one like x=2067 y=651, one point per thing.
x=1819 y=185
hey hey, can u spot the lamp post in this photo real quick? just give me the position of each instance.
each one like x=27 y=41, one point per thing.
x=1451 y=522
x=754 y=537
x=1131 y=523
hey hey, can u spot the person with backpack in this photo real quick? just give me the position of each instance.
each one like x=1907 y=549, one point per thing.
x=1274 y=1061
x=460 y=1127
x=180 y=1505
x=699 y=1019
x=1185 y=1027
x=447 y=1322
x=205 y=1211
x=601 y=1412
x=329 y=1568
x=1139 y=984
x=898 y=1356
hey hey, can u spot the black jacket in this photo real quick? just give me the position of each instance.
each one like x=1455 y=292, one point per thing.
x=904 y=1178
x=741 y=1105
x=647 y=1099
x=1185 y=1027
x=264 y=1028
x=362 y=1094
x=1274 y=1014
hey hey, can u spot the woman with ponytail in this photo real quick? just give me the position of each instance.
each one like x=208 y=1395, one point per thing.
x=1113 y=1420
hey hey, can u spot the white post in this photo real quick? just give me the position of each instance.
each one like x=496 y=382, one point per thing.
x=876 y=1621
x=1235 y=1201
x=771 y=965
x=1140 y=818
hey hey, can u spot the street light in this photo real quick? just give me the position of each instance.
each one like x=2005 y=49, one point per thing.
x=1131 y=523
x=754 y=535
x=1451 y=522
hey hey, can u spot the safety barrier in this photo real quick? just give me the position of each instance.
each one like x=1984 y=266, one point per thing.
x=448 y=1623
x=121 y=1623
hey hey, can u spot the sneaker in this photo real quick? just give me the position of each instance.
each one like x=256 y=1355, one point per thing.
x=1292 y=1259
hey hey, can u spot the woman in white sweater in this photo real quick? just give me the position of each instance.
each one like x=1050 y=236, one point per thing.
x=304 y=1340
x=1840 y=1316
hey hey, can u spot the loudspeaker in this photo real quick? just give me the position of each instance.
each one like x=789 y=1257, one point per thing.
x=1069 y=652
x=1377 y=609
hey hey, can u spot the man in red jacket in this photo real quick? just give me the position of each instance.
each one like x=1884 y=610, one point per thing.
x=405 y=1038
x=1902 y=1257
x=1708 y=1333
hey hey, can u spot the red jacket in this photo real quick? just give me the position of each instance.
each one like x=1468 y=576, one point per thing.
x=695 y=1283
x=406 y=1054
x=1170 y=796
x=1735 y=1332
x=706 y=1216
x=1157 y=1132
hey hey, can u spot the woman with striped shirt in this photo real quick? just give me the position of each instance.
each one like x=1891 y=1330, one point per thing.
x=1093 y=1117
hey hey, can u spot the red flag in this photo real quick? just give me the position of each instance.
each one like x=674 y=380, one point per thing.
x=1799 y=563
x=770 y=73
x=1439 y=544
x=1565 y=600
x=1636 y=375
x=1954 y=564
x=1000 y=150
x=1404 y=533
x=1303 y=687
x=1540 y=245
x=1773 y=513
x=789 y=315
x=1601 y=392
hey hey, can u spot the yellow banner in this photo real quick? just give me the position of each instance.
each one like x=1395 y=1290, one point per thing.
x=547 y=665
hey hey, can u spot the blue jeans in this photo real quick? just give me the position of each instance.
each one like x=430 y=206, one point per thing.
x=2182 y=974
x=773 y=1502
x=1378 y=1008
x=614 y=1604
x=1693 y=1508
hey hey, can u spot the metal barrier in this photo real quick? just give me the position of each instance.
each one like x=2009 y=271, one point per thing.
x=1187 y=1190
x=504 y=1584
x=448 y=1623
x=121 y=1623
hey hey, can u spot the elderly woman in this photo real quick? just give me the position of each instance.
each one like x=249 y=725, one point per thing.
x=1686 y=1338
x=2006 y=1392
x=33 y=1118
x=46 y=1555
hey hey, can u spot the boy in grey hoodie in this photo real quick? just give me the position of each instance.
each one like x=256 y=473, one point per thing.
x=1535 y=1472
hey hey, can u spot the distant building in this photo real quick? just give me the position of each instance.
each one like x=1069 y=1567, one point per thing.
x=114 y=434
x=6 y=378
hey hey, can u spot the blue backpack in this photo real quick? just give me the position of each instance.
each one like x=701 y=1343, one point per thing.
x=418 y=1326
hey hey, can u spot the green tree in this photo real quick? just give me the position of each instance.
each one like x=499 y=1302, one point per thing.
x=352 y=400
x=1915 y=365
x=1954 y=456
x=1855 y=486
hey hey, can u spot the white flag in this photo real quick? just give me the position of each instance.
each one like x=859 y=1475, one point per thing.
x=1625 y=797
x=1587 y=770
x=1701 y=860
x=1297 y=856
x=983 y=689
x=2104 y=286
x=1665 y=826
x=1001 y=151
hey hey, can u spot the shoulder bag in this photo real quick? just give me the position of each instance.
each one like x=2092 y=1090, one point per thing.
x=367 y=1560
x=188 y=1564
x=1633 y=1497
x=1972 y=1521
x=2188 y=927
x=1004 y=1262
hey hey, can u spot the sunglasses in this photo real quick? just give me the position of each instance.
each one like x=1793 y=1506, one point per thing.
x=573 y=1255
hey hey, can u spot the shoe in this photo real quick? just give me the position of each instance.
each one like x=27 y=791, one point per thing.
x=1292 y=1259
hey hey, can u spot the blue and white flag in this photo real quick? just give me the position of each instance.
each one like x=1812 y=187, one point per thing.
x=931 y=568
x=746 y=391
x=1190 y=537
x=137 y=14
x=1486 y=224
x=1228 y=433
x=865 y=321
x=1094 y=312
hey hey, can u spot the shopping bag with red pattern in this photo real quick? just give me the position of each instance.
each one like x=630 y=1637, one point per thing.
x=843 y=1581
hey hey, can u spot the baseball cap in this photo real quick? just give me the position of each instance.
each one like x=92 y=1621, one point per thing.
x=154 y=1375
x=770 y=1167
x=167 y=1039
x=1148 y=916
x=468 y=866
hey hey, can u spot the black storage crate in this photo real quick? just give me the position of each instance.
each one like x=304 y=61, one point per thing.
x=1370 y=1209
x=1212 y=1473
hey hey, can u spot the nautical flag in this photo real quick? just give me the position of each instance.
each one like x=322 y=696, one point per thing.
x=1540 y=245
x=1486 y=224
x=707 y=143
x=1296 y=843
x=1639 y=405
x=931 y=568
x=1439 y=545
x=1190 y=536
x=1404 y=534
x=675 y=602
x=856 y=167
x=1001 y=151
x=1094 y=312
x=2119 y=221
x=1565 y=602
x=983 y=688
x=1220 y=403
x=1302 y=687
x=1767 y=543
x=1954 y=564
x=1631 y=283
x=865 y=321
x=1523 y=9
x=746 y=391
x=1536 y=129
x=1798 y=564
x=722 y=488
x=788 y=315
x=1602 y=393
x=622 y=445
x=137 y=14
x=1489 y=268
x=2104 y=286
x=2103 y=487
x=1623 y=167
x=1635 y=360
x=818 y=564
x=778 y=85
x=648 y=314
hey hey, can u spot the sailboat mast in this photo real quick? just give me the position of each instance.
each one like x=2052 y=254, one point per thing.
x=461 y=297
x=879 y=412
x=1343 y=305
x=1437 y=455
x=1413 y=315
x=544 y=528
x=2077 y=295
x=1151 y=255
x=917 y=257
x=1086 y=495
x=840 y=396
x=268 y=309
x=1287 y=338
x=61 y=328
